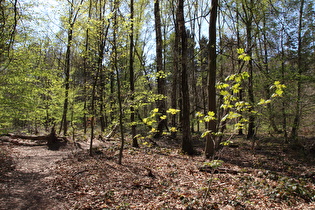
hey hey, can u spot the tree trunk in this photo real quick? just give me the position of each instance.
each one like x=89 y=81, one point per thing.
x=271 y=114
x=174 y=93
x=161 y=103
x=85 y=67
x=283 y=108
x=67 y=81
x=72 y=19
x=186 y=138
x=93 y=110
x=249 y=20
x=297 y=117
x=240 y=94
x=115 y=51
x=131 y=78
x=212 y=125
x=102 y=43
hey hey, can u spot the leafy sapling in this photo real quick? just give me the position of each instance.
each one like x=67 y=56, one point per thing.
x=236 y=111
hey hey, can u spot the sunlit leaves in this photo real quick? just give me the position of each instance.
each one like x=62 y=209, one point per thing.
x=214 y=163
x=221 y=85
x=239 y=77
x=149 y=121
x=242 y=55
x=240 y=50
x=204 y=134
x=161 y=74
x=279 y=89
x=226 y=143
x=199 y=114
x=163 y=117
x=156 y=116
x=233 y=106
x=224 y=93
x=231 y=115
x=172 y=111
x=263 y=101
x=210 y=116
x=153 y=130
x=173 y=129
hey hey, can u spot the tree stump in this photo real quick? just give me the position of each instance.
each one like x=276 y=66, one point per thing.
x=53 y=142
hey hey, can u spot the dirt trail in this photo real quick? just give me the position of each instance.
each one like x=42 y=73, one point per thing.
x=26 y=187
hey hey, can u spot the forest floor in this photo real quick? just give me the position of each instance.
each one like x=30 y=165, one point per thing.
x=156 y=176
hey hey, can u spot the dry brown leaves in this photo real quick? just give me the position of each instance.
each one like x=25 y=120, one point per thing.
x=162 y=178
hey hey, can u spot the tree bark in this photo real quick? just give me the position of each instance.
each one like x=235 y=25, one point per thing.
x=248 y=22
x=186 y=138
x=115 y=51
x=72 y=19
x=212 y=69
x=175 y=73
x=161 y=103
x=283 y=108
x=297 y=117
x=131 y=78
x=85 y=67
x=240 y=94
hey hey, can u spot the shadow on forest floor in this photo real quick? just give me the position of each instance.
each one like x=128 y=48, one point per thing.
x=157 y=176
x=269 y=154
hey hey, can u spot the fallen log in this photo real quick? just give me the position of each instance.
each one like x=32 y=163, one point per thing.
x=112 y=133
x=25 y=142
x=51 y=140
x=35 y=138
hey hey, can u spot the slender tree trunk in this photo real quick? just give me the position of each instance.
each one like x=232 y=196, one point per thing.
x=221 y=112
x=240 y=94
x=174 y=93
x=102 y=43
x=131 y=78
x=271 y=114
x=115 y=51
x=284 y=115
x=93 y=111
x=297 y=117
x=67 y=81
x=72 y=19
x=159 y=68
x=212 y=69
x=85 y=68
x=249 y=19
x=175 y=79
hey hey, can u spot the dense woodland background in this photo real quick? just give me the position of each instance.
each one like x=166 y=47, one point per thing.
x=137 y=104
x=152 y=68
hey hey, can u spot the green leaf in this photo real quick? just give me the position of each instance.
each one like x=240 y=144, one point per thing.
x=210 y=116
x=214 y=163
x=173 y=111
x=240 y=50
x=204 y=134
x=224 y=92
x=163 y=117
x=226 y=143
